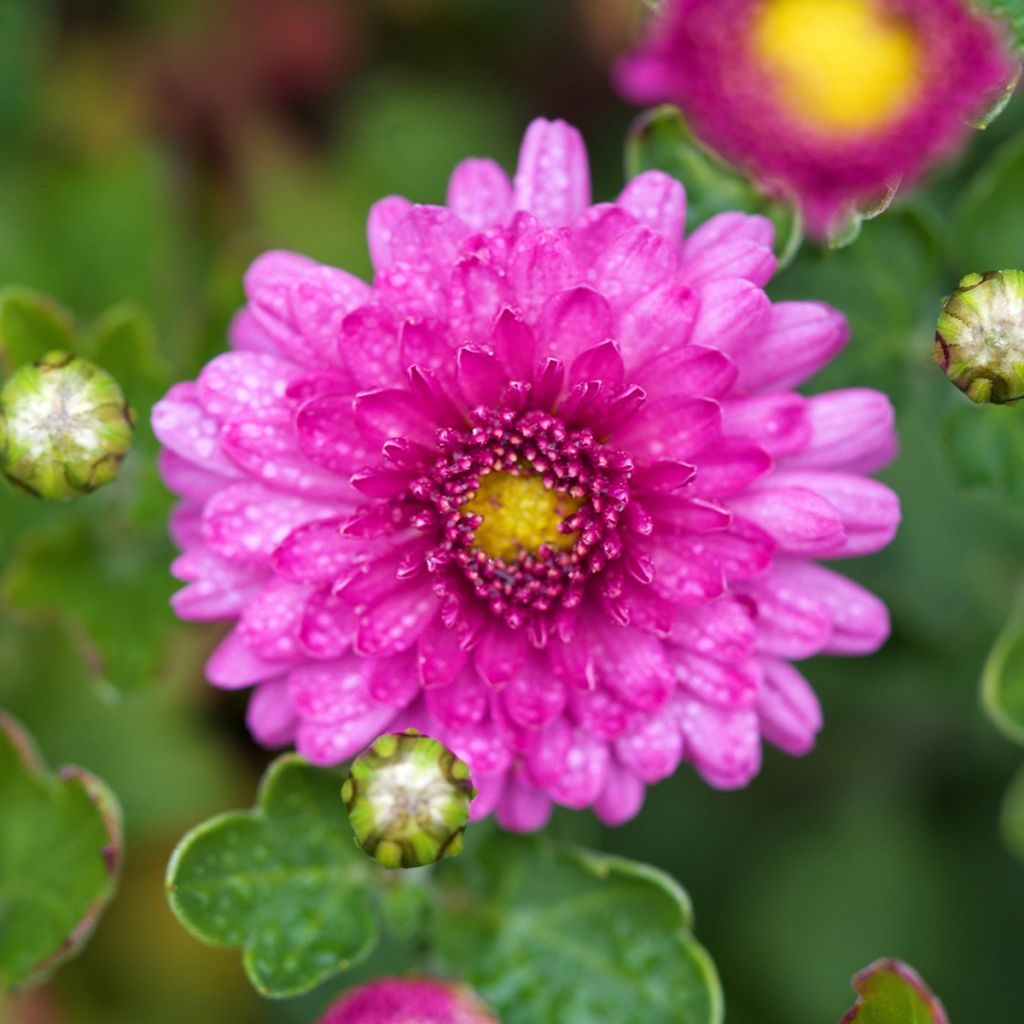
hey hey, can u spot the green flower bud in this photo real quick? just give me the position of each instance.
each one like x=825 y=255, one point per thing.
x=408 y=800
x=979 y=339
x=64 y=427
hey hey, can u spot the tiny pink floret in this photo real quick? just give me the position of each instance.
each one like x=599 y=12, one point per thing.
x=408 y=1001
x=323 y=465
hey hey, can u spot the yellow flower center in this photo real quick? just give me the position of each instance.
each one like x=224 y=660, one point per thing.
x=847 y=66
x=520 y=515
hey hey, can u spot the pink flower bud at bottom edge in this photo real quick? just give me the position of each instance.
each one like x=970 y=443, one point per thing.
x=409 y=1001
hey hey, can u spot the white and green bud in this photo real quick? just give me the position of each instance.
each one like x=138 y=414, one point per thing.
x=65 y=427
x=408 y=800
x=979 y=339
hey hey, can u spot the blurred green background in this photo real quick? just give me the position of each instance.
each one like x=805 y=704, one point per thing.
x=148 y=150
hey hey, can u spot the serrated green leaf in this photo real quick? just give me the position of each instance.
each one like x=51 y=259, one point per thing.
x=561 y=935
x=60 y=851
x=1002 y=679
x=890 y=992
x=283 y=881
x=661 y=139
x=32 y=324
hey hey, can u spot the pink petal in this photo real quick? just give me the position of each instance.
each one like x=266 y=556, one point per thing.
x=671 y=427
x=734 y=314
x=265 y=443
x=798 y=519
x=187 y=479
x=722 y=684
x=481 y=376
x=183 y=425
x=569 y=764
x=635 y=667
x=328 y=744
x=325 y=429
x=870 y=511
x=683 y=574
x=441 y=655
x=743 y=551
x=477 y=295
x=461 y=703
x=481 y=748
x=852 y=429
x=328 y=692
x=392 y=413
x=791 y=620
x=247 y=335
x=368 y=344
x=574 y=321
x=601 y=713
x=653 y=750
x=514 y=345
x=860 y=621
x=657 y=200
x=395 y=623
x=233 y=665
x=801 y=338
x=479 y=193
x=636 y=263
x=489 y=791
x=424 y=342
x=723 y=745
x=541 y=264
x=523 y=809
x=385 y=214
x=601 y=363
x=328 y=626
x=749 y=260
x=728 y=467
x=777 y=423
x=621 y=798
x=243 y=382
x=244 y=523
x=270 y=623
x=596 y=228
x=659 y=321
x=270 y=716
x=723 y=629
x=691 y=370
x=317 y=552
x=427 y=239
x=553 y=177
x=501 y=653
x=532 y=697
x=729 y=227
x=788 y=709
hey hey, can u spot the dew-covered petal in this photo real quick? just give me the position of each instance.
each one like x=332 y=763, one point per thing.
x=788 y=709
x=553 y=176
x=233 y=665
x=797 y=518
x=657 y=200
x=724 y=746
x=479 y=193
x=652 y=751
x=270 y=716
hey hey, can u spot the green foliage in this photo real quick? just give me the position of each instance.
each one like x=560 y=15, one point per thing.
x=1003 y=677
x=1012 y=11
x=890 y=992
x=559 y=934
x=283 y=881
x=984 y=447
x=1013 y=815
x=661 y=139
x=31 y=325
x=60 y=850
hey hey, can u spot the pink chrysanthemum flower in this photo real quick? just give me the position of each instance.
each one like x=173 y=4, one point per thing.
x=542 y=491
x=837 y=101
x=408 y=1001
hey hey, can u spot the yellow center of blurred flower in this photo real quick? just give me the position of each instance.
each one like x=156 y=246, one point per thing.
x=519 y=515
x=846 y=66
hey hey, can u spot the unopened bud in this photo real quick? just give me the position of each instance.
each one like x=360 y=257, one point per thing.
x=409 y=1001
x=64 y=427
x=408 y=800
x=979 y=339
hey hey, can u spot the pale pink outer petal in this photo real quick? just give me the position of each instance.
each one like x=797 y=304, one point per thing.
x=788 y=708
x=621 y=798
x=725 y=746
x=479 y=192
x=553 y=177
x=852 y=429
x=233 y=665
x=385 y=214
x=270 y=716
x=523 y=809
x=657 y=200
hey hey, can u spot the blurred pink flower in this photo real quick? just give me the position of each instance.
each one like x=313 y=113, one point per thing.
x=408 y=1001
x=836 y=102
x=543 y=491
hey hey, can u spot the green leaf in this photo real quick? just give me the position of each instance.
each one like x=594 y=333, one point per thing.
x=60 y=852
x=124 y=343
x=890 y=992
x=984 y=447
x=661 y=139
x=32 y=324
x=988 y=221
x=98 y=582
x=557 y=934
x=283 y=881
x=1012 y=11
x=1012 y=817
x=1002 y=679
